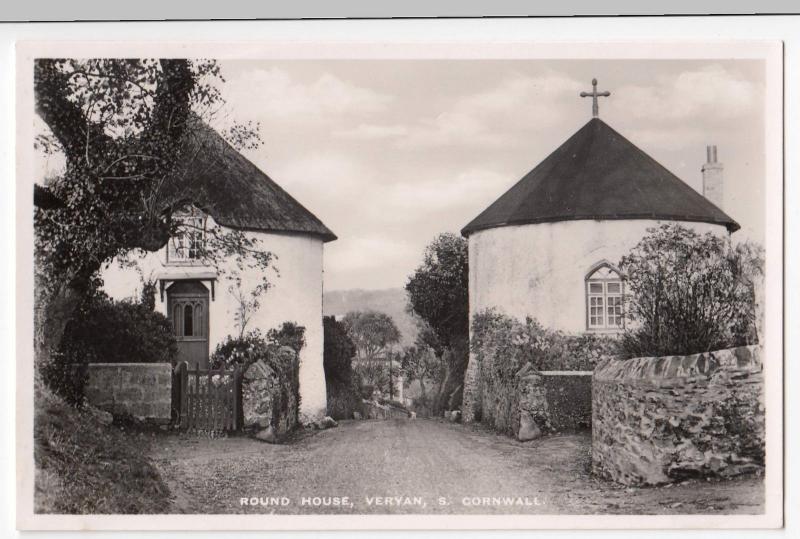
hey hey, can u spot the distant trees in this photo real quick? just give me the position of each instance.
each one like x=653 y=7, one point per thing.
x=419 y=362
x=438 y=295
x=373 y=334
x=689 y=293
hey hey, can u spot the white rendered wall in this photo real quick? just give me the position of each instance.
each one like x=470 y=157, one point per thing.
x=539 y=270
x=295 y=296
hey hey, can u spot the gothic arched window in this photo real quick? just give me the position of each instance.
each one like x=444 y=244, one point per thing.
x=604 y=299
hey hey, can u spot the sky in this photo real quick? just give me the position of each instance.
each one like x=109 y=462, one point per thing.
x=390 y=153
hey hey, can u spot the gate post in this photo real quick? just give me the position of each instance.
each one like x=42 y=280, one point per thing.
x=182 y=378
x=238 y=408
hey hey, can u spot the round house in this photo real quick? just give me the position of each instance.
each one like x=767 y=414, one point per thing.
x=549 y=246
x=203 y=302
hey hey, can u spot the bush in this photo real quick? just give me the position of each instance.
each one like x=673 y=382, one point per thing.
x=342 y=384
x=107 y=331
x=240 y=351
x=689 y=293
x=289 y=334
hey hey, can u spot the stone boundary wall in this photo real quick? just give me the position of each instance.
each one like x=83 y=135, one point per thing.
x=375 y=410
x=663 y=419
x=553 y=401
x=141 y=390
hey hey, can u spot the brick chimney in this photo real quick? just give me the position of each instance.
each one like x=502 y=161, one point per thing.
x=713 y=183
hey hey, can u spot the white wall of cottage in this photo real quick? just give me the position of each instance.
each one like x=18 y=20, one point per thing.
x=295 y=295
x=538 y=270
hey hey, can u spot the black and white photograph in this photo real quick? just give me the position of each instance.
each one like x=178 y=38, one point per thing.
x=442 y=284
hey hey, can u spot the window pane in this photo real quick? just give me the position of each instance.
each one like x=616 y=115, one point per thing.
x=187 y=321
x=176 y=313
x=198 y=316
x=596 y=288
x=614 y=288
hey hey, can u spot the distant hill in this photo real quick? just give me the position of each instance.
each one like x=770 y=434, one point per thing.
x=391 y=301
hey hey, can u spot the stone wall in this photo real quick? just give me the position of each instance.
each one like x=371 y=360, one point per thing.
x=269 y=393
x=553 y=401
x=375 y=410
x=141 y=390
x=659 y=420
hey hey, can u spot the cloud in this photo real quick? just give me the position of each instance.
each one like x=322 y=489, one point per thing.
x=469 y=189
x=371 y=132
x=360 y=253
x=278 y=95
x=499 y=116
x=699 y=96
x=324 y=182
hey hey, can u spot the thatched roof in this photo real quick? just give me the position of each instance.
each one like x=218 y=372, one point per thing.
x=598 y=174
x=237 y=194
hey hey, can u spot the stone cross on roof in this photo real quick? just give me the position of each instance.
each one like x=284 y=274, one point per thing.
x=594 y=95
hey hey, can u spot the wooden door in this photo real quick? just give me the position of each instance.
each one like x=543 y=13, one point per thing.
x=188 y=311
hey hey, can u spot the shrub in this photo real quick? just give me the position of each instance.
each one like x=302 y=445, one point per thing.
x=342 y=384
x=111 y=331
x=107 y=331
x=240 y=351
x=689 y=293
x=289 y=334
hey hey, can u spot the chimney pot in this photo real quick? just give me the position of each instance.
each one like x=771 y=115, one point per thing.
x=711 y=154
x=713 y=188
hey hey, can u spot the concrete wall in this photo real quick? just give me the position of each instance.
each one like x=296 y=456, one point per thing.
x=142 y=390
x=659 y=420
x=539 y=270
x=295 y=295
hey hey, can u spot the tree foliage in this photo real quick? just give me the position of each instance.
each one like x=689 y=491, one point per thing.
x=420 y=362
x=689 y=293
x=373 y=334
x=438 y=295
x=128 y=130
x=438 y=288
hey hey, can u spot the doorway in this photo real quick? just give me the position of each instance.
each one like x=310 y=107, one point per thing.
x=187 y=302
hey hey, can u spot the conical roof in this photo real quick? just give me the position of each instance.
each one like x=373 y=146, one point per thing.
x=238 y=194
x=598 y=174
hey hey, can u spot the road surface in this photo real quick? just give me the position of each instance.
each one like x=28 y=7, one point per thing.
x=402 y=466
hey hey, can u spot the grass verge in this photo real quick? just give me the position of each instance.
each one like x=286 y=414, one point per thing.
x=85 y=467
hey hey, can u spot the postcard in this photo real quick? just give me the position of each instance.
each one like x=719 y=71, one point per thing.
x=313 y=285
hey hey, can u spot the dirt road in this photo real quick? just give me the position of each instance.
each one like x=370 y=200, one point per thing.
x=422 y=466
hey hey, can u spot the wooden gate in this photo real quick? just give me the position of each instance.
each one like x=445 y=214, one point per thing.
x=208 y=399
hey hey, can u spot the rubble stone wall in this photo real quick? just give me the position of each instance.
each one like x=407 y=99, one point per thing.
x=553 y=401
x=662 y=419
x=269 y=393
x=141 y=390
